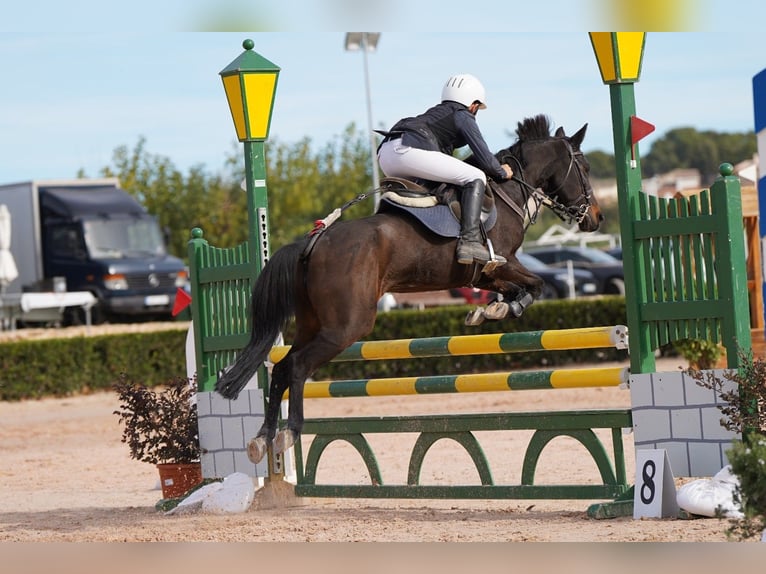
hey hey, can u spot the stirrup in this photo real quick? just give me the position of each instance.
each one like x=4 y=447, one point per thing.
x=494 y=261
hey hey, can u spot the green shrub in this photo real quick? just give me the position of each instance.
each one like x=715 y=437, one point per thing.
x=61 y=367
x=744 y=411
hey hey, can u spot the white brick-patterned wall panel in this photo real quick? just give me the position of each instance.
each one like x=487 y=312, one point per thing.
x=685 y=423
x=693 y=436
x=650 y=425
x=678 y=456
x=696 y=394
x=668 y=389
x=641 y=392
x=712 y=428
x=224 y=464
x=243 y=464
x=233 y=435
x=220 y=405
x=208 y=466
x=225 y=429
x=705 y=458
x=210 y=433
x=203 y=404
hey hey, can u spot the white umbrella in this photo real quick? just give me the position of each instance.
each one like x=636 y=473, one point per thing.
x=8 y=271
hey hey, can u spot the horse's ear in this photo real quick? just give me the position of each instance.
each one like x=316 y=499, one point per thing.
x=559 y=133
x=576 y=140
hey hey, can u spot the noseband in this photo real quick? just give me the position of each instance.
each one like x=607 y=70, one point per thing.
x=567 y=213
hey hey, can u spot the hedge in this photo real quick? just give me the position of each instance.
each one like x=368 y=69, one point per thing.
x=61 y=367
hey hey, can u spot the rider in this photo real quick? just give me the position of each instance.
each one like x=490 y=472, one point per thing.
x=422 y=147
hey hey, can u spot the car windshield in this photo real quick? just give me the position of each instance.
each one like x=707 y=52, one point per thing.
x=123 y=238
x=531 y=262
x=586 y=254
x=597 y=256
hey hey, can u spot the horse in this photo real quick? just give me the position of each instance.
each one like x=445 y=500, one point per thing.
x=331 y=283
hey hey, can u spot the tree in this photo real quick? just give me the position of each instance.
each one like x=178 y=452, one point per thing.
x=601 y=164
x=180 y=202
x=303 y=185
x=306 y=185
x=687 y=148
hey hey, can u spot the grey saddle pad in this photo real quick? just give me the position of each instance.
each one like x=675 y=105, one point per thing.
x=438 y=218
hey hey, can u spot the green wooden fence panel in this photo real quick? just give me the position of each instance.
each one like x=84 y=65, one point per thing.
x=221 y=282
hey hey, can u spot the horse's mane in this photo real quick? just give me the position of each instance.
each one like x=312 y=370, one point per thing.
x=530 y=129
x=536 y=128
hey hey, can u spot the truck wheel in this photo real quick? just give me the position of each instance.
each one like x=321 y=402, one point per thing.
x=75 y=316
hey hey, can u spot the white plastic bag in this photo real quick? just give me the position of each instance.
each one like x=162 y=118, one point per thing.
x=233 y=495
x=705 y=495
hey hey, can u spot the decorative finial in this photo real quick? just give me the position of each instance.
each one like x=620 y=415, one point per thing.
x=248 y=44
x=196 y=233
x=726 y=169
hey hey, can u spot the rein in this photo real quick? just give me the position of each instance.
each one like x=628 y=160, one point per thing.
x=568 y=214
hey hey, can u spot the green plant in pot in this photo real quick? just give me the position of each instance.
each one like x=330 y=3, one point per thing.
x=701 y=353
x=160 y=428
x=744 y=410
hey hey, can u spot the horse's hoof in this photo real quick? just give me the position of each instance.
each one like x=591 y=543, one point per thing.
x=516 y=309
x=526 y=300
x=285 y=439
x=496 y=310
x=256 y=449
x=475 y=317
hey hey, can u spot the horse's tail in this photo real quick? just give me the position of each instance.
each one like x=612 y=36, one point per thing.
x=272 y=307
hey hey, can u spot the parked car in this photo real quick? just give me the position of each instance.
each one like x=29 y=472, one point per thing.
x=556 y=283
x=473 y=295
x=615 y=252
x=557 y=280
x=606 y=269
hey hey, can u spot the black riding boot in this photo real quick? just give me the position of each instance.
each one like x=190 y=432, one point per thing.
x=470 y=247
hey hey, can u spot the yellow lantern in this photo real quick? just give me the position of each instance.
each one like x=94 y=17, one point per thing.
x=250 y=82
x=619 y=55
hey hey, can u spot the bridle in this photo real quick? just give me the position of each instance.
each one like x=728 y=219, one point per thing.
x=568 y=213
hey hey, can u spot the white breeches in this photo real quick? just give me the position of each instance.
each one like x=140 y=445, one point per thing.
x=397 y=160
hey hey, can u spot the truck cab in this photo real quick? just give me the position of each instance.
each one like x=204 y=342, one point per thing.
x=75 y=237
x=100 y=239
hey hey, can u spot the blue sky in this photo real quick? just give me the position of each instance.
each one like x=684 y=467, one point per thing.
x=70 y=96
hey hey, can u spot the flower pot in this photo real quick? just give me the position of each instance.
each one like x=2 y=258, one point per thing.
x=178 y=479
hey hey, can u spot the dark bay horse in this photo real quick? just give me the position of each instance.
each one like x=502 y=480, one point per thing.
x=333 y=291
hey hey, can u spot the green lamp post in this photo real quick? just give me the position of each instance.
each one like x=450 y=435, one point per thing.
x=250 y=82
x=619 y=56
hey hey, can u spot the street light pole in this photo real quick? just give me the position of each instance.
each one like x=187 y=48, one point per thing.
x=367 y=42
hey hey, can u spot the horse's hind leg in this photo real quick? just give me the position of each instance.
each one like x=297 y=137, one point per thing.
x=257 y=447
x=299 y=367
x=291 y=372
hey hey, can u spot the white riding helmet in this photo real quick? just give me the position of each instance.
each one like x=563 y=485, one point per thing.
x=465 y=89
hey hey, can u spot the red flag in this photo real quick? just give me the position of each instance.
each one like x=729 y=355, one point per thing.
x=639 y=129
x=182 y=301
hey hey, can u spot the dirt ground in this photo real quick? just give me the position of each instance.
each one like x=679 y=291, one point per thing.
x=66 y=476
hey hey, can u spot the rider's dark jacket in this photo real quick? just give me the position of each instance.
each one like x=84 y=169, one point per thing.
x=445 y=127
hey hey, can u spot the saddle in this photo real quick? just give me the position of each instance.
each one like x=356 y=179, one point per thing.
x=408 y=193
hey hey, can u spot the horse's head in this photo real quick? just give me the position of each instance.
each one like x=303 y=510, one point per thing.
x=556 y=165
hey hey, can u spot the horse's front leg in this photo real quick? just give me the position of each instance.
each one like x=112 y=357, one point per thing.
x=518 y=289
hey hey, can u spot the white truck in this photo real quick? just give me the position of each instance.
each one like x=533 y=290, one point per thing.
x=90 y=236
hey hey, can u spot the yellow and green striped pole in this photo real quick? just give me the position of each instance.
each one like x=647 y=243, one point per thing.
x=548 y=340
x=471 y=383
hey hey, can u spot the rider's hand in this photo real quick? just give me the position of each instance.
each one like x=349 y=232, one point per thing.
x=508 y=171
